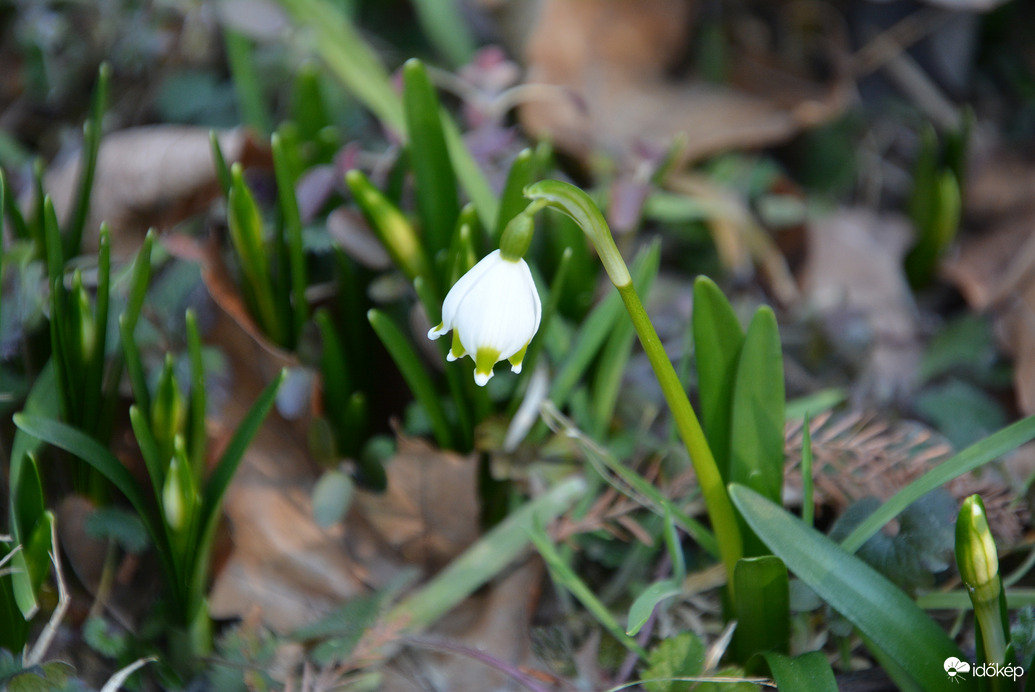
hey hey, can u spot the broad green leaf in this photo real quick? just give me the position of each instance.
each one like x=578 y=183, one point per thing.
x=761 y=607
x=32 y=564
x=434 y=180
x=757 y=415
x=880 y=611
x=718 y=338
x=756 y=449
x=809 y=672
x=978 y=454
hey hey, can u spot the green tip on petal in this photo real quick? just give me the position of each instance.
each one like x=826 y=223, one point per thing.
x=483 y=362
x=517 y=358
x=436 y=332
x=457 y=349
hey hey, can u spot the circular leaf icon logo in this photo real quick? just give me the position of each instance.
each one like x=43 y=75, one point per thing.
x=955 y=668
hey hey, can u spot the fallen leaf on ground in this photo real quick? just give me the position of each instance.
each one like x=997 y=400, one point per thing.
x=995 y=271
x=430 y=512
x=148 y=177
x=597 y=72
x=853 y=278
x=494 y=623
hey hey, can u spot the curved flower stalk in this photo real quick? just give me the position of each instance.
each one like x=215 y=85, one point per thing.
x=580 y=207
x=494 y=309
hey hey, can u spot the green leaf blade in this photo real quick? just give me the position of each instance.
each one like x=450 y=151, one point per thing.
x=880 y=610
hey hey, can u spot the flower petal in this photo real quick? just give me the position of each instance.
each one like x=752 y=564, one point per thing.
x=464 y=285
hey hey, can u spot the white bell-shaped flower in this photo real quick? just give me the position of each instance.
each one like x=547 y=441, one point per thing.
x=494 y=311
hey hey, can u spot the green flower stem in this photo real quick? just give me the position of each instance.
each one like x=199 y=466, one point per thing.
x=578 y=205
x=990 y=621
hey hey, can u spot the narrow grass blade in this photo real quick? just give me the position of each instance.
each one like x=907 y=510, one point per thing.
x=416 y=376
x=153 y=460
x=446 y=28
x=91 y=147
x=434 y=180
x=392 y=228
x=93 y=394
x=566 y=578
x=808 y=506
x=630 y=483
x=293 y=233
x=196 y=570
x=137 y=378
x=879 y=609
x=197 y=435
x=809 y=672
x=9 y=206
x=598 y=326
x=246 y=80
x=246 y=232
x=219 y=161
x=489 y=556
x=973 y=457
x=89 y=450
x=358 y=67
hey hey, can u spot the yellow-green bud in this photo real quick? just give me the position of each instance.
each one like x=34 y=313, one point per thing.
x=84 y=316
x=168 y=410
x=178 y=493
x=975 y=548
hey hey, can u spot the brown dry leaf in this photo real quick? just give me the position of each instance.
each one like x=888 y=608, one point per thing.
x=148 y=177
x=282 y=562
x=996 y=270
x=430 y=512
x=598 y=72
x=853 y=277
x=496 y=622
